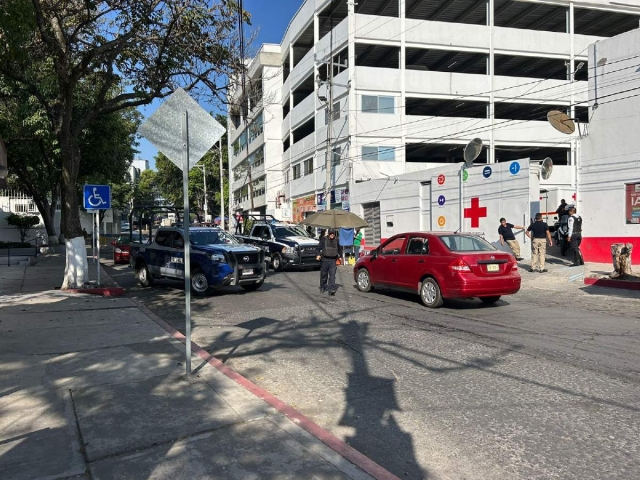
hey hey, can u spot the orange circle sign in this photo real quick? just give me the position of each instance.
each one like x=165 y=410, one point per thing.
x=441 y=221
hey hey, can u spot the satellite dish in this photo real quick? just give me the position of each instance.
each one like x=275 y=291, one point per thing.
x=561 y=122
x=472 y=151
x=547 y=168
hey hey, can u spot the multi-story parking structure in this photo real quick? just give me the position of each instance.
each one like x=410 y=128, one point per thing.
x=413 y=82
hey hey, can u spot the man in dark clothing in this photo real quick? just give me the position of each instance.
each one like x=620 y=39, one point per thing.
x=574 y=236
x=329 y=250
x=562 y=209
x=506 y=235
x=539 y=230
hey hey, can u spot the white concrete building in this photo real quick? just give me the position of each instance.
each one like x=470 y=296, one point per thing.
x=414 y=81
x=609 y=167
x=138 y=166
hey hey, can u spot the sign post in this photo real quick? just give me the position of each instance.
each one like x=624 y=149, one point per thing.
x=184 y=132
x=96 y=198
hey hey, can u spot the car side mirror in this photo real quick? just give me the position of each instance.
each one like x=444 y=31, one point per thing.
x=375 y=253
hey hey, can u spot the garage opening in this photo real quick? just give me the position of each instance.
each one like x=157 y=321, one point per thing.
x=377 y=56
x=530 y=67
x=446 y=108
x=431 y=152
x=446 y=61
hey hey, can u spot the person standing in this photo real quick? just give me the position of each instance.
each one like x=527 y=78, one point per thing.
x=562 y=209
x=506 y=235
x=574 y=236
x=539 y=230
x=357 y=242
x=329 y=250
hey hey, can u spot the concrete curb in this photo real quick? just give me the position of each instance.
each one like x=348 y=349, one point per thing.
x=358 y=459
x=105 y=292
x=610 y=283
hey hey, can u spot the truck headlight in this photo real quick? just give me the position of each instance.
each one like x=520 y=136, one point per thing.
x=216 y=257
x=288 y=250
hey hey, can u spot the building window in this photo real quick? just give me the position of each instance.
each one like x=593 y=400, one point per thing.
x=335 y=113
x=378 y=104
x=308 y=166
x=632 y=196
x=257 y=158
x=296 y=171
x=256 y=128
x=335 y=156
x=287 y=177
x=379 y=153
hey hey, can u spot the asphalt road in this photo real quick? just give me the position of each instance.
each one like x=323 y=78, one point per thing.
x=544 y=384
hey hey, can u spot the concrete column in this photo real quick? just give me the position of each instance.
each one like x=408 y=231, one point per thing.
x=403 y=97
x=492 y=147
x=352 y=112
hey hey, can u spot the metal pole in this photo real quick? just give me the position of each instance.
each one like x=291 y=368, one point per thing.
x=221 y=185
x=93 y=240
x=329 y=151
x=187 y=243
x=462 y=198
x=206 y=207
x=98 y=243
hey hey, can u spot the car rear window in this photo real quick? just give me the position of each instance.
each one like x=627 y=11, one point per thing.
x=466 y=243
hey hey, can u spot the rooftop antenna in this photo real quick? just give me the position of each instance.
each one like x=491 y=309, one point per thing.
x=547 y=168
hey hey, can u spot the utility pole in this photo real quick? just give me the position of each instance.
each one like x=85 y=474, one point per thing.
x=221 y=185
x=206 y=207
x=329 y=150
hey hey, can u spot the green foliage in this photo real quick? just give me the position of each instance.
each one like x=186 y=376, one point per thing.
x=146 y=189
x=23 y=223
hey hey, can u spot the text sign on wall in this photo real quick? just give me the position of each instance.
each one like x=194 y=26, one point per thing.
x=632 y=200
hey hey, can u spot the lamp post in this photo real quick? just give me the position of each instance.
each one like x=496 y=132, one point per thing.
x=4 y=171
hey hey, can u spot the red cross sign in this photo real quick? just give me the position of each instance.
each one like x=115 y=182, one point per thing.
x=475 y=213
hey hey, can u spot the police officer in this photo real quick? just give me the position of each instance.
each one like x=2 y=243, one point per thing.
x=574 y=236
x=539 y=230
x=329 y=250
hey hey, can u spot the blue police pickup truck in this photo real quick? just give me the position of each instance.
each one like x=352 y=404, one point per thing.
x=217 y=260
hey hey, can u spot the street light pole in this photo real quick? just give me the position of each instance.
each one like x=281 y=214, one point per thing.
x=221 y=186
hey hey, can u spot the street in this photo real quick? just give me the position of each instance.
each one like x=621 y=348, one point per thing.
x=544 y=384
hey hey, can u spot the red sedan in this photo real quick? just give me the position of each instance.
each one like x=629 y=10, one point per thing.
x=438 y=265
x=121 y=247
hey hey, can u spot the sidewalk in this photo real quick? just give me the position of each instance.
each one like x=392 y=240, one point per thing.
x=92 y=387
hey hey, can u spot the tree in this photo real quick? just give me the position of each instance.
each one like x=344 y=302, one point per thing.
x=132 y=51
x=145 y=192
x=23 y=223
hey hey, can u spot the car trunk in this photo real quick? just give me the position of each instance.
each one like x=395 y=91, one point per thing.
x=489 y=264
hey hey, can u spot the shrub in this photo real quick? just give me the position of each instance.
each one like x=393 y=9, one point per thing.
x=23 y=223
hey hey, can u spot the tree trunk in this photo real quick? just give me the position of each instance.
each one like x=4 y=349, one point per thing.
x=621 y=255
x=76 y=272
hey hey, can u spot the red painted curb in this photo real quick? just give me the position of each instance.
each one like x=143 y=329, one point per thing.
x=105 y=292
x=358 y=459
x=607 y=282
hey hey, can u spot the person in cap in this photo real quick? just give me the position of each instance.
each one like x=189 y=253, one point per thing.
x=328 y=251
x=574 y=237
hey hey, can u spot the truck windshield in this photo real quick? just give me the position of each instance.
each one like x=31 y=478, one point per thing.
x=282 y=232
x=466 y=243
x=211 y=237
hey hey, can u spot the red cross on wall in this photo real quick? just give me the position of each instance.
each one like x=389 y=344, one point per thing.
x=475 y=213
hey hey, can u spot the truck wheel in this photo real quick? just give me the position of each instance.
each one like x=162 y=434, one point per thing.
x=143 y=274
x=199 y=283
x=276 y=262
x=251 y=287
x=430 y=293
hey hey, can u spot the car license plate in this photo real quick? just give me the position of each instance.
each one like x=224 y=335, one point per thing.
x=493 y=267
x=249 y=271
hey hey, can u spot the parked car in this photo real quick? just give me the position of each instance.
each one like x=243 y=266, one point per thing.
x=287 y=245
x=217 y=259
x=122 y=246
x=438 y=266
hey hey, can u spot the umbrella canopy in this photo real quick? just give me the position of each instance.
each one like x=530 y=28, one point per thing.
x=335 y=219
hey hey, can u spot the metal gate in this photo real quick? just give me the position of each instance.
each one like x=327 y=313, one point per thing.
x=372 y=217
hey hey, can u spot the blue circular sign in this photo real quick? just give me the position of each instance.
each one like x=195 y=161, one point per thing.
x=514 y=168
x=441 y=200
x=486 y=172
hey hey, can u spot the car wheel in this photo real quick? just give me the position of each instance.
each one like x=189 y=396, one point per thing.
x=363 y=280
x=490 y=300
x=430 y=293
x=144 y=276
x=199 y=283
x=251 y=287
x=276 y=262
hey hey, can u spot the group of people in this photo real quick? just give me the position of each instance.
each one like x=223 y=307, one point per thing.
x=539 y=234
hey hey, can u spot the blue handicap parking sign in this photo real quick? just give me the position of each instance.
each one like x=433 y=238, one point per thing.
x=97 y=197
x=441 y=200
x=486 y=172
x=514 y=168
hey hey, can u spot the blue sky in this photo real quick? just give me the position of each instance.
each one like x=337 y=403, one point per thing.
x=269 y=19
